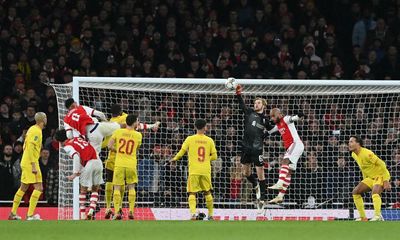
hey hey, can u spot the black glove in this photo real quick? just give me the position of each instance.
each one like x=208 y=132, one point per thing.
x=300 y=114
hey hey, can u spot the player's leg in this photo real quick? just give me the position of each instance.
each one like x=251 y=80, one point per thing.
x=131 y=181
x=206 y=185
x=131 y=200
x=94 y=197
x=258 y=160
x=95 y=168
x=37 y=192
x=362 y=187
x=246 y=162
x=108 y=192
x=17 y=200
x=377 y=190
x=288 y=165
x=118 y=181
x=193 y=186
x=82 y=202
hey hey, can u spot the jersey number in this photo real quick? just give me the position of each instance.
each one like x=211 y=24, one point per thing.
x=201 y=153
x=75 y=117
x=81 y=143
x=126 y=146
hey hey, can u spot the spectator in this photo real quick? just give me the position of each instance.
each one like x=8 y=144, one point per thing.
x=7 y=189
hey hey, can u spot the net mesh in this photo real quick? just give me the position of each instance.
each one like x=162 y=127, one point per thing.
x=326 y=173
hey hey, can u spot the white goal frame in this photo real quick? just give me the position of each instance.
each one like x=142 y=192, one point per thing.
x=345 y=84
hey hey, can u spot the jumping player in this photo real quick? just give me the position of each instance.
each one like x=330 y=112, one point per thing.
x=87 y=165
x=79 y=122
x=255 y=123
x=294 y=149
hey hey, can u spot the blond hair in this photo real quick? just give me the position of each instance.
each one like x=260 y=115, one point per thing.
x=264 y=102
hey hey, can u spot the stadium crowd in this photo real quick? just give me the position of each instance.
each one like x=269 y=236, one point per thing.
x=45 y=42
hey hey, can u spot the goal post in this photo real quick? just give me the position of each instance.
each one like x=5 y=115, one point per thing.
x=321 y=186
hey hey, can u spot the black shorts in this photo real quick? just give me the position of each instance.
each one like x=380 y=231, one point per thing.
x=250 y=156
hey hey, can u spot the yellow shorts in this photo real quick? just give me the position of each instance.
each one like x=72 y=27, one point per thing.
x=28 y=177
x=370 y=182
x=110 y=164
x=199 y=183
x=124 y=175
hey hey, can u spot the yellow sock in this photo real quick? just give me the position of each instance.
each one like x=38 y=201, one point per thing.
x=117 y=201
x=108 y=194
x=17 y=200
x=122 y=193
x=132 y=199
x=377 y=201
x=33 y=201
x=192 y=204
x=358 y=201
x=210 y=205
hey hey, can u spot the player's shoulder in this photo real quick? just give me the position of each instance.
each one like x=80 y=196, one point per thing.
x=210 y=139
x=367 y=152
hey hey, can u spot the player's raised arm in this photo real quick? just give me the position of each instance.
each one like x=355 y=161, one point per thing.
x=239 y=98
x=92 y=112
x=294 y=118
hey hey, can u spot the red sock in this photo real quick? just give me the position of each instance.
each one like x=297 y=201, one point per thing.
x=283 y=172
x=286 y=183
x=93 y=200
x=82 y=202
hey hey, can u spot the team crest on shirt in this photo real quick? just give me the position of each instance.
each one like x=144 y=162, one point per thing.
x=35 y=138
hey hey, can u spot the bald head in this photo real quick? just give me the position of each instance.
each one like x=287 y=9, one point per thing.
x=275 y=115
x=41 y=118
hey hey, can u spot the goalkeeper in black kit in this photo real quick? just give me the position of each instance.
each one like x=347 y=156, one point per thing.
x=255 y=123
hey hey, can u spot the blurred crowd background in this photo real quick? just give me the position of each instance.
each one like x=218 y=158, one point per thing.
x=44 y=42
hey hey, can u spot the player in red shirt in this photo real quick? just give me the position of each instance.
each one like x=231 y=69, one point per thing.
x=294 y=149
x=87 y=165
x=80 y=122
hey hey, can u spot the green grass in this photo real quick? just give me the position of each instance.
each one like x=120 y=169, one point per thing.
x=165 y=230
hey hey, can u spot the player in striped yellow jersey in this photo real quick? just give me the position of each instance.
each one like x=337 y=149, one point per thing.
x=376 y=178
x=125 y=142
x=119 y=117
x=31 y=174
x=201 y=151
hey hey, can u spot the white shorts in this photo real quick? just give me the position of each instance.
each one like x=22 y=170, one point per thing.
x=98 y=131
x=92 y=174
x=293 y=153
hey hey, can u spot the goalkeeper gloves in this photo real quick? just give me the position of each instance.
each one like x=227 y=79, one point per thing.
x=239 y=90
x=300 y=114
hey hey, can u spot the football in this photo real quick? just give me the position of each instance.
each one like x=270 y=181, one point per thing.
x=230 y=83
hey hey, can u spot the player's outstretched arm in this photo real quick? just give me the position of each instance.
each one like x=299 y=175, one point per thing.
x=92 y=112
x=239 y=98
x=154 y=126
x=296 y=117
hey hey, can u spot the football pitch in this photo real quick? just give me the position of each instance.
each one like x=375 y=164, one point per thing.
x=191 y=230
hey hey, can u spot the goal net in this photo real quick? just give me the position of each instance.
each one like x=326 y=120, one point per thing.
x=326 y=174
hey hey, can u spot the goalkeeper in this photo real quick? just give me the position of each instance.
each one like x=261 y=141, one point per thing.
x=375 y=178
x=255 y=123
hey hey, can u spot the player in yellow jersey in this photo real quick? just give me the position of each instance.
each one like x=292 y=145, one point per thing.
x=31 y=174
x=125 y=142
x=119 y=117
x=376 y=178
x=201 y=151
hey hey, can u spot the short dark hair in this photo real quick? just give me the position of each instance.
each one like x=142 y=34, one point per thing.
x=358 y=140
x=61 y=135
x=131 y=119
x=116 y=110
x=69 y=102
x=200 y=124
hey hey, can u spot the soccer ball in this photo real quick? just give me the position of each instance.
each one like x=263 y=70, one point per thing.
x=230 y=83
